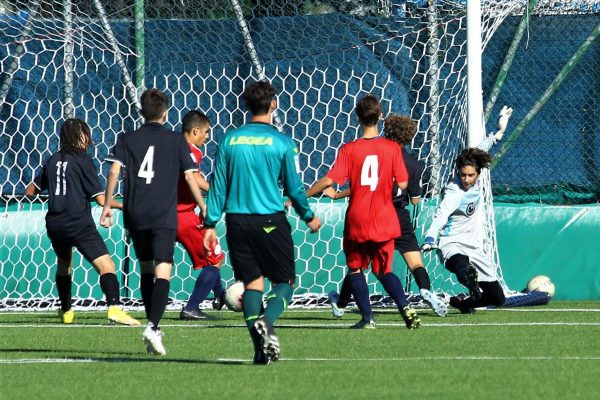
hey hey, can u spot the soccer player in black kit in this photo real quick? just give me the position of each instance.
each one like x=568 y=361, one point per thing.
x=153 y=156
x=71 y=180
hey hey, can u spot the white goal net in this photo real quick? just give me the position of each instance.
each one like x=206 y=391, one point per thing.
x=90 y=59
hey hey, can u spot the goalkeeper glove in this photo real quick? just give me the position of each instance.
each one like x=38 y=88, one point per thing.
x=429 y=244
x=505 y=114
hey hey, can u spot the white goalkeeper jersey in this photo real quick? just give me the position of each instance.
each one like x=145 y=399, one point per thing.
x=454 y=224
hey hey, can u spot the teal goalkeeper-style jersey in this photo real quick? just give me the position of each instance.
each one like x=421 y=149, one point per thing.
x=252 y=163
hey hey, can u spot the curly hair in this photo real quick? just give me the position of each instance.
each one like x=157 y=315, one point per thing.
x=72 y=131
x=399 y=128
x=475 y=158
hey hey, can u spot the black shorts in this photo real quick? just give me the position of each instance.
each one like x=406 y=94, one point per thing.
x=261 y=245
x=88 y=241
x=154 y=244
x=407 y=241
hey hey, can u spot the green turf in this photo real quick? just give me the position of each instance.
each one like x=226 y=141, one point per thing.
x=545 y=353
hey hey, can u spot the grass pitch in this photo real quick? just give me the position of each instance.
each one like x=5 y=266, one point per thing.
x=550 y=352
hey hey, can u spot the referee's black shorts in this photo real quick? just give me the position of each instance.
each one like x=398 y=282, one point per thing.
x=261 y=245
x=407 y=241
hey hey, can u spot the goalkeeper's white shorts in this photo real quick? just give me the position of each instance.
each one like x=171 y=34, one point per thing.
x=485 y=270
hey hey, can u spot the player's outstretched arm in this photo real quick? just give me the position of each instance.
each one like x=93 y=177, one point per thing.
x=111 y=184
x=503 y=118
x=333 y=194
x=114 y=203
x=491 y=139
x=319 y=186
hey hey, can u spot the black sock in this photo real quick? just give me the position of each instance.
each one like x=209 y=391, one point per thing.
x=160 y=298
x=360 y=291
x=461 y=276
x=147 y=287
x=63 y=286
x=458 y=265
x=492 y=294
x=345 y=292
x=393 y=287
x=422 y=278
x=110 y=288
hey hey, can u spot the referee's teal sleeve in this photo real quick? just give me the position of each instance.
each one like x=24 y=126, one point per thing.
x=218 y=190
x=293 y=185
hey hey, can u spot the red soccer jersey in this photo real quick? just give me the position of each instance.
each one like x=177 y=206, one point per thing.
x=185 y=199
x=371 y=165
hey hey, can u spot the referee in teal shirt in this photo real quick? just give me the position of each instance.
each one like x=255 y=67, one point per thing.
x=250 y=163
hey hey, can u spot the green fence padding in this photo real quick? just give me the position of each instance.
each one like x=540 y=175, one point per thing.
x=533 y=240
x=557 y=241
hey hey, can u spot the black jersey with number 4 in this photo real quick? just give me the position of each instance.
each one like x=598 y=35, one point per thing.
x=71 y=181
x=153 y=157
x=415 y=170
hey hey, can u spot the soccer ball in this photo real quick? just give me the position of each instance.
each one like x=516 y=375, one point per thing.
x=233 y=296
x=541 y=283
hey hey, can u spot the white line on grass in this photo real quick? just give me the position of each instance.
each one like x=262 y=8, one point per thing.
x=308 y=325
x=391 y=310
x=46 y=360
x=440 y=358
x=393 y=359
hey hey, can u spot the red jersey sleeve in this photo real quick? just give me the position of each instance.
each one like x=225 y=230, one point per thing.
x=339 y=172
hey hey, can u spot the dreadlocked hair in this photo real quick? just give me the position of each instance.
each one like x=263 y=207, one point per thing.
x=75 y=135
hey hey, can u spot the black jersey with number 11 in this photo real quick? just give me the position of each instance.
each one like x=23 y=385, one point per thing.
x=71 y=181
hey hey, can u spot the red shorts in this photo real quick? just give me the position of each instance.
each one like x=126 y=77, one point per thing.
x=379 y=254
x=191 y=235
